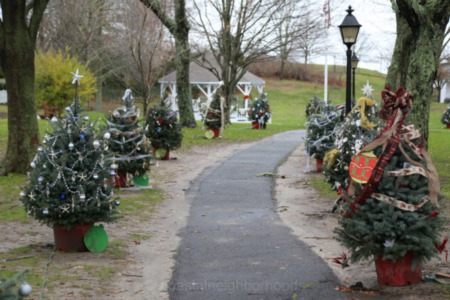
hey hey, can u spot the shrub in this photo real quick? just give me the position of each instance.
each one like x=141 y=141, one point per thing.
x=53 y=79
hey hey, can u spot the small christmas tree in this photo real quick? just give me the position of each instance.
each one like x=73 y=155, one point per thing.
x=163 y=130
x=314 y=106
x=128 y=141
x=320 y=132
x=395 y=211
x=213 y=113
x=260 y=111
x=358 y=129
x=70 y=180
x=446 y=117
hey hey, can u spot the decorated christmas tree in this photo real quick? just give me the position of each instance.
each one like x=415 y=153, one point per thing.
x=393 y=214
x=446 y=117
x=71 y=173
x=162 y=129
x=315 y=106
x=129 y=145
x=14 y=288
x=260 y=113
x=321 y=131
x=358 y=129
x=212 y=117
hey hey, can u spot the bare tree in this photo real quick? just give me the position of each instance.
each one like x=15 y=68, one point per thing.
x=311 y=41
x=179 y=27
x=143 y=40
x=291 y=30
x=421 y=29
x=19 y=26
x=238 y=33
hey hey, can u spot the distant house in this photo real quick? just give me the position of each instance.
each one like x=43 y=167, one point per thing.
x=444 y=72
x=207 y=83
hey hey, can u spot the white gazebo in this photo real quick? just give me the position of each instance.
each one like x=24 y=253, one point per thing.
x=208 y=84
x=445 y=89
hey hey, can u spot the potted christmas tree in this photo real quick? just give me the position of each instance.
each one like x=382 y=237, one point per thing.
x=162 y=129
x=320 y=134
x=130 y=146
x=358 y=129
x=392 y=217
x=69 y=185
x=260 y=113
x=212 y=118
x=446 y=117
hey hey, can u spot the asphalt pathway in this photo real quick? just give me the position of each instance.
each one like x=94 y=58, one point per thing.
x=235 y=246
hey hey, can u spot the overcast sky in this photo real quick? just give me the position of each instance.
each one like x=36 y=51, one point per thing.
x=378 y=32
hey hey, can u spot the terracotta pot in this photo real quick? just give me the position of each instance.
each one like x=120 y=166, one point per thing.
x=120 y=179
x=157 y=154
x=216 y=132
x=404 y=271
x=319 y=163
x=71 y=240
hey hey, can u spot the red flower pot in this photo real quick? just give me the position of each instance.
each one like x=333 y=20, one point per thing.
x=404 y=271
x=120 y=179
x=319 y=163
x=255 y=125
x=161 y=154
x=71 y=240
x=167 y=156
x=448 y=125
x=216 y=132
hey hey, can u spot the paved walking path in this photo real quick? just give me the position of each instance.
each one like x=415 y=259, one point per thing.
x=235 y=246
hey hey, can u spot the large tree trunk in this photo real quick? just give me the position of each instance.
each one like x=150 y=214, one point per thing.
x=183 y=82
x=179 y=28
x=420 y=35
x=17 y=60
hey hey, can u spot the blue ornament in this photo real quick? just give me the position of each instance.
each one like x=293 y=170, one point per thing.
x=63 y=196
x=82 y=136
x=112 y=173
x=158 y=129
x=40 y=179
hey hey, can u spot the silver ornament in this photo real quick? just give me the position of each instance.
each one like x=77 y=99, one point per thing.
x=22 y=194
x=95 y=176
x=54 y=119
x=25 y=290
x=45 y=211
x=96 y=144
x=71 y=146
x=82 y=197
x=107 y=135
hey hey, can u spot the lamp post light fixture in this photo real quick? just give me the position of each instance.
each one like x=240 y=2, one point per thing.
x=349 y=32
x=355 y=62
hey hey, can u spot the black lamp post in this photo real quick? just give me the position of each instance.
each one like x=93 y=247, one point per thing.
x=349 y=32
x=355 y=62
